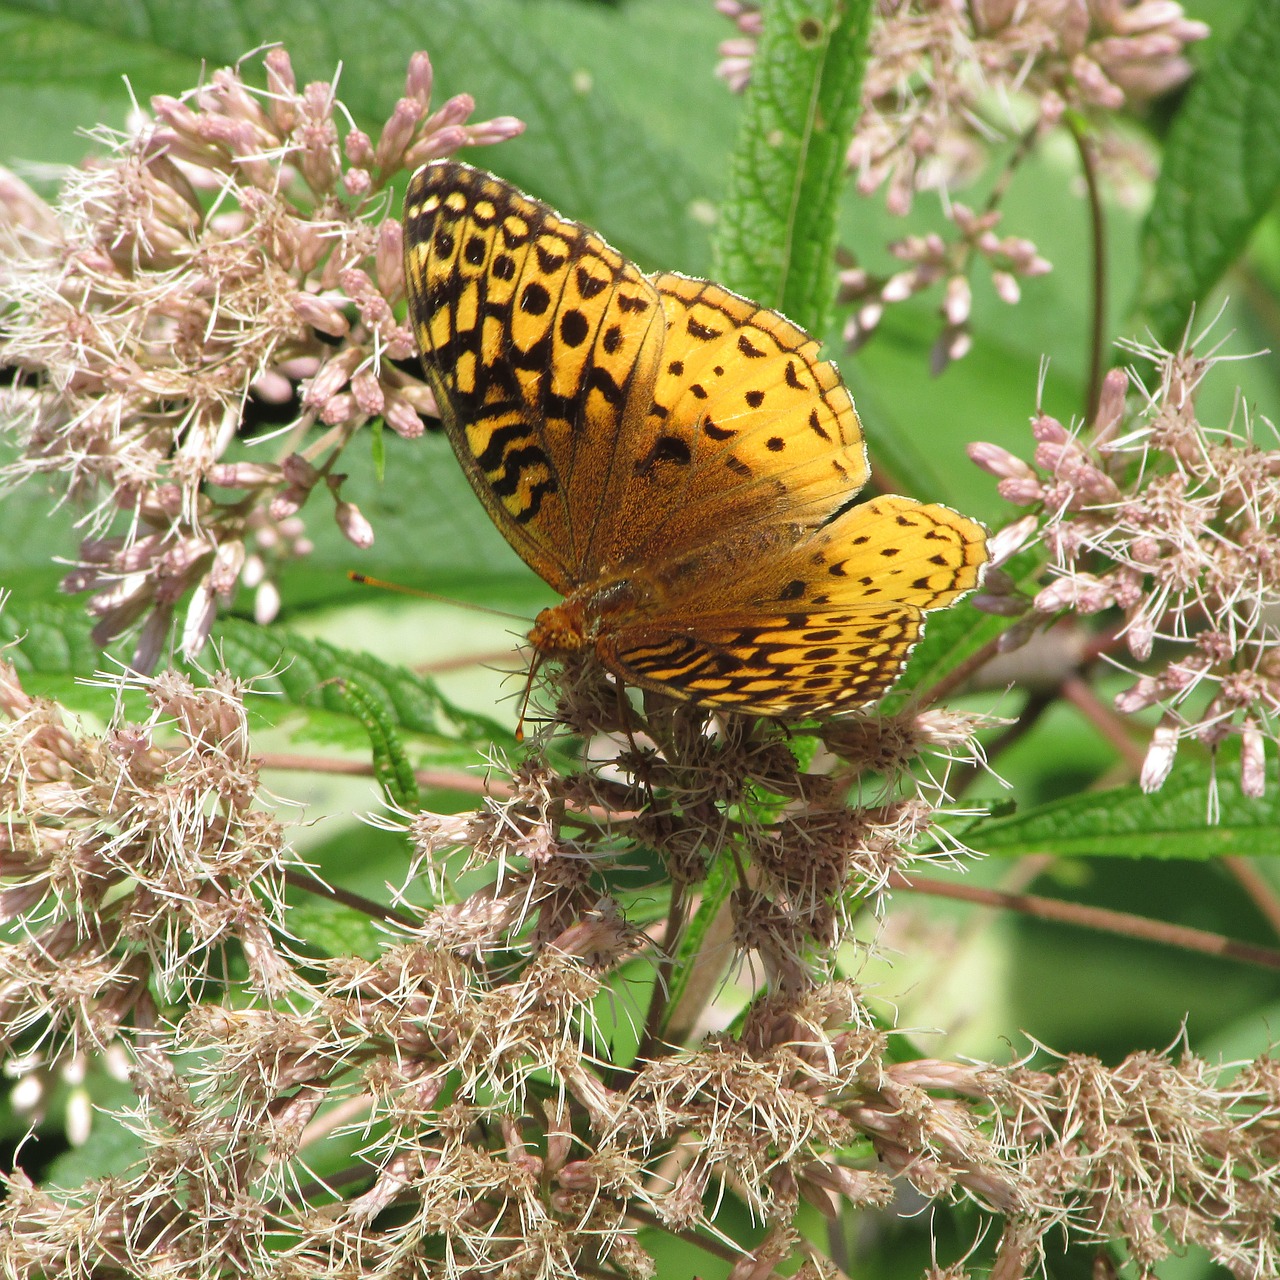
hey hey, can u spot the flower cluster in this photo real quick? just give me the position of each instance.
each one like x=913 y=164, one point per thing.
x=235 y=249
x=949 y=86
x=131 y=862
x=930 y=260
x=1173 y=522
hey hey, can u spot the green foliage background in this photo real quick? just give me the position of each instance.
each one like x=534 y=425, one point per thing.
x=629 y=131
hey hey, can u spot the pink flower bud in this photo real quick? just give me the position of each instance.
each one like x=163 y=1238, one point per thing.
x=1137 y=697
x=420 y=397
x=853 y=282
x=1022 y=493
x=368 y=392
x=489 y=132
x=438 y=143
x=397 y=133
x=401 y=418
x=1160 y=755
x=1049 y=429
x=358 y=148
x=389 y=260
x=357 y=183
x=418 y=82
x=321 y=313
x=1140 y=636
x=869 y=316
x=228 y=560
x=333 y=375
x=243 y=475
x=272 y=387
x=1006 y=287
x=455 y=111
x=1253 y=761
x=355 y=528
x=280 y=77
x=400 y=343
x=254 y=570
x=266 y=603
x=339 y=410
x=899 y=287
x=958 y=301
x=1011 y=539
x=999 y=461
x=201 y=612
x=1115 y=387
x=1062 y=593
x=1099 y=91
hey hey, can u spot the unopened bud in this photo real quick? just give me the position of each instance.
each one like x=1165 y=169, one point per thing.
x=418 y=82
x=1160 y=755
x=355 y=528
x=1253 y=762
x=958 y=300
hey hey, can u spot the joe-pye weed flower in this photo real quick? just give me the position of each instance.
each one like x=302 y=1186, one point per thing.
x=236 y=248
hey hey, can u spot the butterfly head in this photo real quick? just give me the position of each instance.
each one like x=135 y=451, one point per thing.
x=578 y=621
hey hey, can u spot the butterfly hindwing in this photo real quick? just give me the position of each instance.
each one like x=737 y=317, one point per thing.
x=824 y=627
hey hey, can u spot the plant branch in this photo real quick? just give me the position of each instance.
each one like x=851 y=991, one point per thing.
x=312 y=884
x=1122 y=923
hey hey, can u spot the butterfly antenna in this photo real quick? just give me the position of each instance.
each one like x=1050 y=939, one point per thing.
x=365 y=581
x=528 y=693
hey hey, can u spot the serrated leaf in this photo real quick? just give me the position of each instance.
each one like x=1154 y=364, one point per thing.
x=53 y=639
x=1219 y=177
x=391 y=766
x=49 y=639
x=309 y=673
x=1127 y=823
x=776 y=239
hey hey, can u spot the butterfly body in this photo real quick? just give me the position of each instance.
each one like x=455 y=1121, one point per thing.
x=673 y=459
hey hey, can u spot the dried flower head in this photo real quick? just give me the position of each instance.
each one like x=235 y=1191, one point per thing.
x=130 y=862
x=235 y=248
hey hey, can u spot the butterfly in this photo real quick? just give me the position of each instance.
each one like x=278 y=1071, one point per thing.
x=673 y=459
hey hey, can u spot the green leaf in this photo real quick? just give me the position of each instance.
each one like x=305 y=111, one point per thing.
x=312 y=673
x=53 y=639
x=1220 y=174
x=579 y=151
x=1127 y=823
x=391 y=766
x=776 y=241
x=335 y=929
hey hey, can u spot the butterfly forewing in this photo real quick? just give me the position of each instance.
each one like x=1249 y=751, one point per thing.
x=748 y=427
x=541 y=343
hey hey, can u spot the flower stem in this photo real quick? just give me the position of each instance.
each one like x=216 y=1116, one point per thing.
x=1097 y=230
